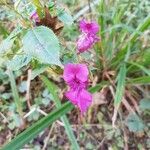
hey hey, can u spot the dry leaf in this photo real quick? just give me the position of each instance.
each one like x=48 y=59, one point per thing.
x=51 y=22
x=99 y=98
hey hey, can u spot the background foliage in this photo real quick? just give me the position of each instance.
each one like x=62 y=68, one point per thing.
x=31 y=85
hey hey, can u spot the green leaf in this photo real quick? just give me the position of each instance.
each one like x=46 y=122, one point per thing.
x=101 y=19
x=38 y=71
x=98 y=86
x=16 y=4
x=65 y=17
x=145 y=104
x=54 y=91
x=6 y=45
x=42 y=44
x=139 y=80
x=120 y=85
x=27 y=135
x=134 y=123
x=37 y=3
x=18 y=62
x=147 y=71
x=3 y=30
x=39 y=7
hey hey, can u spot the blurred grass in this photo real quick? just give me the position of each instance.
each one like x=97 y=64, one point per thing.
x=15 y=93
x=19 y=141
x=121 y=43
x=120 y=85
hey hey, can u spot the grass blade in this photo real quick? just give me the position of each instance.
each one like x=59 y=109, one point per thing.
x=53 y=90
x=139 y=80
x=98 y=86
x=119 y=91
x=101 y=18
x=120 y=85
x=24 y=137
x=147 y=71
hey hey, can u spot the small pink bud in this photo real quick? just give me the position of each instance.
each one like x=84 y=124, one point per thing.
x=34 y=16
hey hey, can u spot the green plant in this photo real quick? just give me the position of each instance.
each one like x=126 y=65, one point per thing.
x=118 y=64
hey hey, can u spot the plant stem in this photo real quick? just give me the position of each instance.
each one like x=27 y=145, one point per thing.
x=15 y=92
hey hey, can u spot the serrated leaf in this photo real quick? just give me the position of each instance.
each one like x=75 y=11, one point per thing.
x=18 y=62
x=134 y=123
x=145 y=104
x=42 y=44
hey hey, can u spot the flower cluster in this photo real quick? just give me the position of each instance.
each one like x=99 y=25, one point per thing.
x=76 y=76
x=88 y=35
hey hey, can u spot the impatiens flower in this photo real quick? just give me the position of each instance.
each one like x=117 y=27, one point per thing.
x=86 y=41
x=88 y=35
x=89 y=27
x=82 y=98
x=76 y=76
x=34 y=16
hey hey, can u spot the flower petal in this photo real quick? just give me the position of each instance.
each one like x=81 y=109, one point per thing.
x=34 y=16
x=84 y=42
x=82 y=25
x=82 y=73
x=81 y=98
x=72 y=95
x=69 y=72
x=84 y=100
x=75 y=73
x=94 y=27
x=89 y=27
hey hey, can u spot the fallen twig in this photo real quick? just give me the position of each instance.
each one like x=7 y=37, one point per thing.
x=28 y=89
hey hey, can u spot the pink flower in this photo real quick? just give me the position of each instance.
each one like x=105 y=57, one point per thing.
x=76 y=76
x=82 y=98
x=86 y=41
x=34 y=16
x=88 y=37
x=89 y=27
